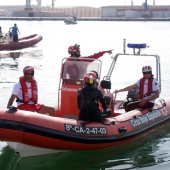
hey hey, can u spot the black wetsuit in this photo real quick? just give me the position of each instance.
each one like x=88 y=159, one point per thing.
x=87 y=99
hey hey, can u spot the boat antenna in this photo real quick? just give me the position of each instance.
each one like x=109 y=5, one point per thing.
x=124 y=46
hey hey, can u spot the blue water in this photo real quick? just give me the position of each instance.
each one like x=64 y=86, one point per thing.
x=46 y=58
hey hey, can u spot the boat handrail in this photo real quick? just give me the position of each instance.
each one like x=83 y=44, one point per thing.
x=114 y=60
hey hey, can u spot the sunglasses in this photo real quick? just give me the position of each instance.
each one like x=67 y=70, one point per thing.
x=148 y=72
x=29 y=74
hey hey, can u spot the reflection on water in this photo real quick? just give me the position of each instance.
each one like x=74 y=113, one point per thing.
x=10 y=59
x=8 y=62
x=17 y=54
x=138 y=154
x=13 y=55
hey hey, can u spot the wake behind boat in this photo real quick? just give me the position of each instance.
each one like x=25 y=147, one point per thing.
x=6 y=42
x=32 y=134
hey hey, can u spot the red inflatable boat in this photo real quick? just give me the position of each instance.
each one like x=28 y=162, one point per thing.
x=32 y=134
x=24 y=42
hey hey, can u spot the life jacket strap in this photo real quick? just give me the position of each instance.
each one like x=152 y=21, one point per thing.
x=22 y=101
x=145 y=95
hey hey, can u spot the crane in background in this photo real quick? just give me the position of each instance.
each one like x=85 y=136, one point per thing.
x=53 y=3
x=147 y=12
x=28 y=4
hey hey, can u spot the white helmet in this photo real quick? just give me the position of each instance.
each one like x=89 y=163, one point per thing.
x=90 y=77
x=146 y=68
x=28 y=68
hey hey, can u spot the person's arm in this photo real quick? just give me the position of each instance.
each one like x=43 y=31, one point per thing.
x=18 y=31
x=99 y=54
x=102 y=100
x=147 y=99
x=155 y=96
x=10 y=28
x=11 y=100
x=79 y=99
x=156 y=89
x=127 y=88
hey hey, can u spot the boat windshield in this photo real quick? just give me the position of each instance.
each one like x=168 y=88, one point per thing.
x=76 y=69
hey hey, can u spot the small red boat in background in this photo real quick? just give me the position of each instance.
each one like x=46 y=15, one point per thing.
x=25 y=42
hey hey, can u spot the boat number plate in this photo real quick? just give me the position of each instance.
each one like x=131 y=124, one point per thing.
x=86 y=130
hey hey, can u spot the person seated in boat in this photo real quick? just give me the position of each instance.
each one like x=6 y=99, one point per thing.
x=88 y=98
x=26 y=94
x=74 y=51
x=15 y=32
x=149 y=91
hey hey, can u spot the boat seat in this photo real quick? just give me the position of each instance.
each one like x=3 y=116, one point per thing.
x=106 y=85
x=133 y=94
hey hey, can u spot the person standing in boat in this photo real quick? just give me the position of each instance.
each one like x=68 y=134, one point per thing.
x=15 y=32
x=26 y=94
x=88 y=98
x=149 y=91
x=74 y=52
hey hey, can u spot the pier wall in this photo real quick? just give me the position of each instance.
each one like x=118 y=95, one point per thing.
x=102 y=12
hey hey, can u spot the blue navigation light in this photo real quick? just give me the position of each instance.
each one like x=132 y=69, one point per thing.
x=136 y=45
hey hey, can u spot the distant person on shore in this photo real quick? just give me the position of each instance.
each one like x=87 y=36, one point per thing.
x=15 y=32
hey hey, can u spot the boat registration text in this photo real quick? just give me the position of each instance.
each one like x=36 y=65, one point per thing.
x=146 y=118
x=86 y=130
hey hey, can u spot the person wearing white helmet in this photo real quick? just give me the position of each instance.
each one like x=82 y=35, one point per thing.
x=88 y=98
x=149 y=91
x=26 y=94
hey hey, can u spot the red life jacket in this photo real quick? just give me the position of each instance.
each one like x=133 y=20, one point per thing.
x=25 y=90
x=142 y=81
x=73 y=71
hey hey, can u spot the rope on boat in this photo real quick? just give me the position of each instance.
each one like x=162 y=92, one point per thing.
x=162 y=101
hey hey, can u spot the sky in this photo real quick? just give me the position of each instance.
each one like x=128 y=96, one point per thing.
x=94 y=3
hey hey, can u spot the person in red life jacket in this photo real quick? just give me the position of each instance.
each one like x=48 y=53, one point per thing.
x=149 y=91
x=26 y=94
x=88 y=98
x=74 y=51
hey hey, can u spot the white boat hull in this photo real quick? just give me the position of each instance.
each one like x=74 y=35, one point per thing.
x=26 y=150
